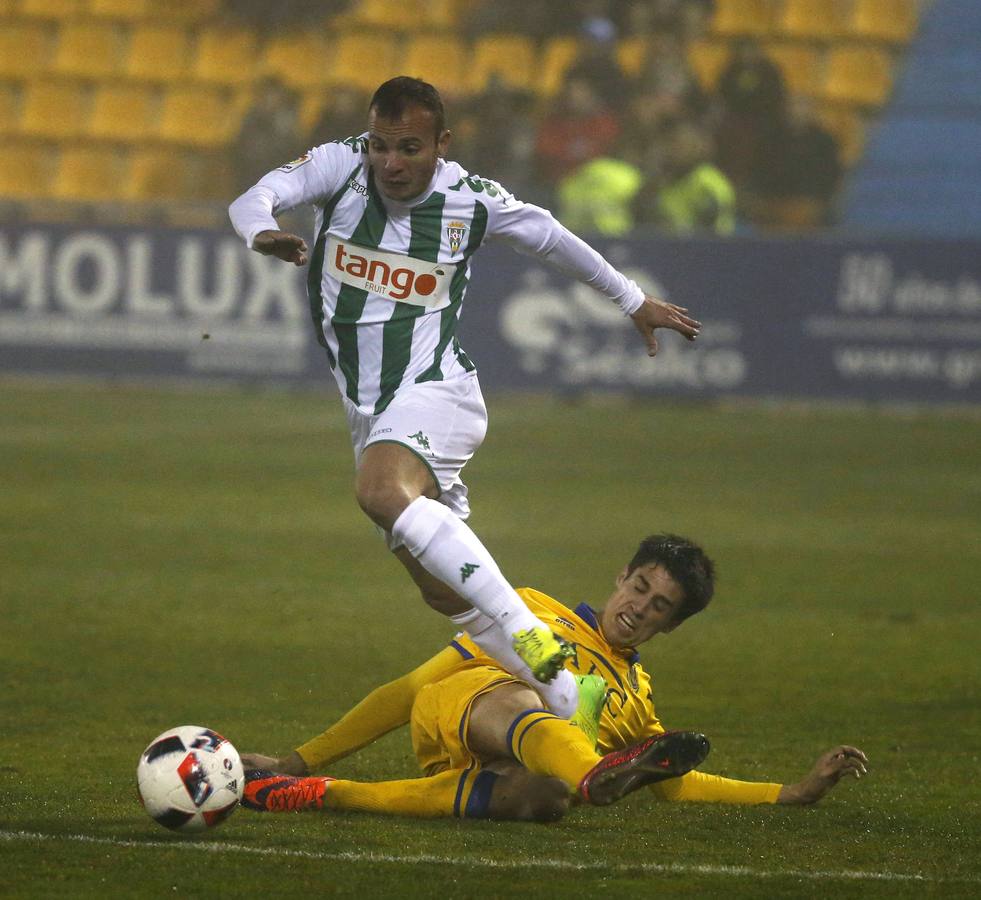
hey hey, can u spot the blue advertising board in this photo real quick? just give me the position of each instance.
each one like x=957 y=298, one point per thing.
x=807 y=318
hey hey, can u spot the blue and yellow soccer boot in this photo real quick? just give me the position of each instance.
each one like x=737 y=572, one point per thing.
x=543 y=652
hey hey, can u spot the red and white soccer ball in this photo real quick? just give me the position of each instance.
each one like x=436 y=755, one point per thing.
x=190 y=778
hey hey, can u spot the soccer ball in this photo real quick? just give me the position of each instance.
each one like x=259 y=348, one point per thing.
x=190 y=778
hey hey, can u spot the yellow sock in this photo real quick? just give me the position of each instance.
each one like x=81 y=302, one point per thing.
x=547 y=745
x=382 y=710
x=465 y=794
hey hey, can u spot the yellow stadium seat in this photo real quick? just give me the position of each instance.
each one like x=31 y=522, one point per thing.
x=557 y=57
x=121 y=10
x=383 y=13
x=631 y=54
x=25 y=169
x=197 y=115
x=707 y=59
x=157 y=53
x=800 y=64
x=363 y=60
x=404 y=15
x=892 y=21
x=24 y=49
x=510 y=57
x=298 y=60
x=815 y=20
x=51 y=9
x=54 y=109
x=225 y=55
x=858 y=75
x=742 y=17
x=88 y=173
x=122 y=112
x=87 y=50
x=439 y=59
x=155 y=174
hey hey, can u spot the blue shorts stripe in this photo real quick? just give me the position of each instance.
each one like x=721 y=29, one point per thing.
x=463 y=651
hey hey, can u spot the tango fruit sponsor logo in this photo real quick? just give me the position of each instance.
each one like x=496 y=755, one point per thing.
x=392 y=275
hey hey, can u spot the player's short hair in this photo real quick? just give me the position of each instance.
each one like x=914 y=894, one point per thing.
x=686 y=563
x=395 y=95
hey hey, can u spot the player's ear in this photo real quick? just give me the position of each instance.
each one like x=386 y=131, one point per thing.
x=443 y=142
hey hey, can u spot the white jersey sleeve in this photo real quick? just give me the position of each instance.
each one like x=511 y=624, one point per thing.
x=536 y=232
x=312 y=178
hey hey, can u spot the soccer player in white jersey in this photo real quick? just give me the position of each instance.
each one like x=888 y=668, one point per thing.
x=396 y=225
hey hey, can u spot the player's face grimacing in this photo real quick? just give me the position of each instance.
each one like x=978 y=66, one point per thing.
x=403 y=152
x=644 y=604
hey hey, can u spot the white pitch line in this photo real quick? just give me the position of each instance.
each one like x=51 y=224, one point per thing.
x=484 y=862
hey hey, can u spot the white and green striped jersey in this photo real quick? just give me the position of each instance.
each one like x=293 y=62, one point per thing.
x=387 y=279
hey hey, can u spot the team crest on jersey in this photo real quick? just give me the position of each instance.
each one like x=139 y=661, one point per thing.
x=456 y=232
x=295 y=163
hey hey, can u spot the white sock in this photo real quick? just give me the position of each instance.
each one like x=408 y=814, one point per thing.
x=446 y=548
x=450 y=551
x=561 y=694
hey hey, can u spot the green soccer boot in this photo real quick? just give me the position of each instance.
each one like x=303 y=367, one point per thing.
x=592 y=697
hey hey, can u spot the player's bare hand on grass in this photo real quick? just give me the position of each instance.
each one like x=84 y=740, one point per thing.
x=830 y=768
x=658 y=314
x=287 y=247
x=291 y=764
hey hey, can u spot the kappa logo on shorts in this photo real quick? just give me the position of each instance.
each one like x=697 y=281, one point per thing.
x=421 y=440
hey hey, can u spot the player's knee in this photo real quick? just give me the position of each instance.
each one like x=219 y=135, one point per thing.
x=530 y=798
x=543 y=800
x=547 y=800
x=381 y=500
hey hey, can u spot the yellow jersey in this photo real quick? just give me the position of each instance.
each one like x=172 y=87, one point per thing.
x=628 y=715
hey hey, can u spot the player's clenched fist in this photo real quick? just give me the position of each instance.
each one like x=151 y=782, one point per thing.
x=288 y=247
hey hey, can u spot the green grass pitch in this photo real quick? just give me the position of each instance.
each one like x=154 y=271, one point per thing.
x=197 y=557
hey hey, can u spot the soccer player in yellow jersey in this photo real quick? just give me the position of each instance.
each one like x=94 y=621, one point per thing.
x=488 y=748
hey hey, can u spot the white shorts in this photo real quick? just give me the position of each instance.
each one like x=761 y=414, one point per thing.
x=442 y=422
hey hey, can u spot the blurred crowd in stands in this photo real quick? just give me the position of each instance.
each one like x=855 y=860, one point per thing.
x=609 y=152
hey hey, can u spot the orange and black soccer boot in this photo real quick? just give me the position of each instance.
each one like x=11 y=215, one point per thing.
x=657 y=758
x=269 y=792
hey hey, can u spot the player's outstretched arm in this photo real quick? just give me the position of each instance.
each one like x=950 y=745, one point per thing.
x=287 y=247
x=654 y=313
x=830 y=768
x=384 y=709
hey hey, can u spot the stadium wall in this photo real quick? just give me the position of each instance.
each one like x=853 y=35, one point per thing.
x=839 y=319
